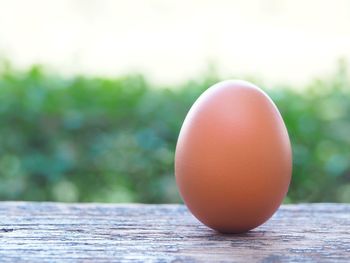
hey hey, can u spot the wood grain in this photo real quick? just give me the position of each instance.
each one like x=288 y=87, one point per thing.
x=55 y=232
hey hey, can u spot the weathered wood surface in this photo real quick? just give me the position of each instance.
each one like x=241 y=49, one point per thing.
x=53 y=232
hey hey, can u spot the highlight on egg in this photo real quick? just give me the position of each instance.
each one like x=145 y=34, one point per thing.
x=233 y=160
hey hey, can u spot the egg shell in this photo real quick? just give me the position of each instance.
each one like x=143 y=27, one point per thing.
x=233 y=160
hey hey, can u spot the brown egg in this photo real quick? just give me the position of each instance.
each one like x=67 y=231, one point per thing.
x=233 y=159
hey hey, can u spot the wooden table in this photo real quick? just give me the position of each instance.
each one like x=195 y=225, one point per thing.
x=56 y=232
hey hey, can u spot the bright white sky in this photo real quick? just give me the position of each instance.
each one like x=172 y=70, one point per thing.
x=173 y=40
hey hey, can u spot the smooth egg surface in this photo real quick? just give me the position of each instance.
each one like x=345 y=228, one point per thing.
x=233 y=158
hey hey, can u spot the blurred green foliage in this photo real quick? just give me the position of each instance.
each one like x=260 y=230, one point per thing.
x=113 y=140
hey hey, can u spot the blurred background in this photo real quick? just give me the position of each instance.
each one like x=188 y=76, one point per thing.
x=93 y=93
